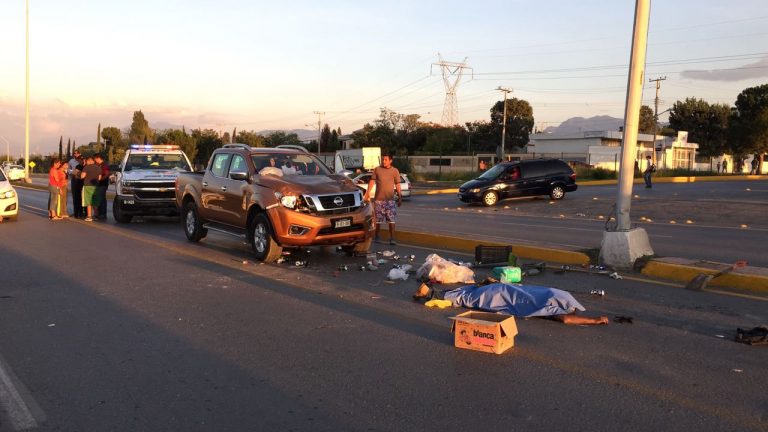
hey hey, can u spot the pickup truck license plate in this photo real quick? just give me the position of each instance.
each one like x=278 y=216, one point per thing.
x=342 y=223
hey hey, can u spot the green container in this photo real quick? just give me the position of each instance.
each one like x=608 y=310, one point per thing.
x=507 y=274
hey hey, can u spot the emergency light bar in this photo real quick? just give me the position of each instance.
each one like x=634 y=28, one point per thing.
x=154 y=147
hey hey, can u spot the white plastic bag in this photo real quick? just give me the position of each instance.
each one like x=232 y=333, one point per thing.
x=443 y=271
x=396 y=274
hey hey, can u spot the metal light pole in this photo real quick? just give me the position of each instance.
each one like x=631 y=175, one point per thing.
x=26 y=120
x=320 y=115
x=504 y=121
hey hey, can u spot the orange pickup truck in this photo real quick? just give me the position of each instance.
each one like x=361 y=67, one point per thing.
x=274 y=199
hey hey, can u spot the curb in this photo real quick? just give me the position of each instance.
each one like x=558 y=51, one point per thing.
x=688 y=179
x=684 y=273
x=465 y=245
x=656 y=268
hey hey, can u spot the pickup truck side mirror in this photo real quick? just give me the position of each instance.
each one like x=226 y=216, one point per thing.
x=240 y=176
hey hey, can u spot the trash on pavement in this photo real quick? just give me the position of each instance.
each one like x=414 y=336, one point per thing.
x=615 y=275
x=754 y=336
x=533 y=269
x=484 y=331
x=507 y=274
x=700 y=281
x=442 y=304
x=597 y=292
x=493 y=256
x=396 y=274
x=388 y=253
x=623 y=319
x=443 y=271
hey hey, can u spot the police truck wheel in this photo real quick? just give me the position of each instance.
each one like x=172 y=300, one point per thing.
x=193 y=227
x=262 y=240
x=557 y=193
x=490 y=198
x=117 y=212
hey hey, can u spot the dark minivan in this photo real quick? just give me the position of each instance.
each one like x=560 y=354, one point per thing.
x=551 y=177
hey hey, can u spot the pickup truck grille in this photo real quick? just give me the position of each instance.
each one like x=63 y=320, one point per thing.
x=155 y=190
x=334 y=203
x=145 y=194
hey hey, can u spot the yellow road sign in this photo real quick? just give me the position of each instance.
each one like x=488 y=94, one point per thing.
x=32 y=164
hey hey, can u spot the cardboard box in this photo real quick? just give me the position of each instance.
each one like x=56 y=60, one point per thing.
x=484 y=331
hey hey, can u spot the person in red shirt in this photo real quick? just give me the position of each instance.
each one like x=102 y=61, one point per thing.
x=55 y=179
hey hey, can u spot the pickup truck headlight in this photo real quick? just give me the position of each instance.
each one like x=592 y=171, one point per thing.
x=288 y=201
x=8 y=194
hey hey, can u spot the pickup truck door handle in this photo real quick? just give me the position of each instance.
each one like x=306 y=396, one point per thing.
x=223 y=188
x=205 y=184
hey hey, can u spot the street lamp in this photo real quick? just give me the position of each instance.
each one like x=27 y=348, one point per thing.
x=26 y=118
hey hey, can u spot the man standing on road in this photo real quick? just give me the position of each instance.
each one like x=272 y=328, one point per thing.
x=386 y=179
x=101 y=188
x=91 y=175
x=76 y=184
x=650 y=168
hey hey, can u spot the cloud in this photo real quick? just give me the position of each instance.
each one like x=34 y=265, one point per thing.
x=758 y=69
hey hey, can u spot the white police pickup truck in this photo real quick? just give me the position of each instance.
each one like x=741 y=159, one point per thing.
x=145 y=182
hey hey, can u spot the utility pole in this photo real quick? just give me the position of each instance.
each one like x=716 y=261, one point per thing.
x=26 y=118
x=621 y=244
x=503 y=121
x=656 y=114
x=452 y=73
x=320 y=115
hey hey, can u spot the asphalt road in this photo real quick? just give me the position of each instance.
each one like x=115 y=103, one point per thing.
x=131 y=328
x=716 y=221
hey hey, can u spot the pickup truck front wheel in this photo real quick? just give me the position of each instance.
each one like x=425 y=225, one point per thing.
x=264 y=245
x=117 y=212
x=193 y=227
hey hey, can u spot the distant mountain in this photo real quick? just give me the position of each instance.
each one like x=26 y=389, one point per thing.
x=577 y=125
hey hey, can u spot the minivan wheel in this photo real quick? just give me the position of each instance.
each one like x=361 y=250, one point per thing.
x=264 y=245
x=557 y=193
x=490 y=198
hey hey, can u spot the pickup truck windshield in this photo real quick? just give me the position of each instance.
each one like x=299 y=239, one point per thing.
x=2 y=175
x=299 y=164
x=162 y=161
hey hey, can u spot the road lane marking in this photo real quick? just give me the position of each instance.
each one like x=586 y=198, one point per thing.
x=20 y=415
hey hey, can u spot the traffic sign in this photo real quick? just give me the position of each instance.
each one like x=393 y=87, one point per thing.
x=32 y=164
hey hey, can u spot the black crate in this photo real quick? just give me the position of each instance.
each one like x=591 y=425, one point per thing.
x=487 y=255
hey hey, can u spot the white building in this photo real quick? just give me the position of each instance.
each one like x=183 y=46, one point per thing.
x=603 y=148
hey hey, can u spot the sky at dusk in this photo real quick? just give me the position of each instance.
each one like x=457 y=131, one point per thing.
x=269 y=65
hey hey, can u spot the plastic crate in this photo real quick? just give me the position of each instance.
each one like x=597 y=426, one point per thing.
x=489 y=255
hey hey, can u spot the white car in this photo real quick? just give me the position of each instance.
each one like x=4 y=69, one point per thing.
x=9 y=201
x=14 y=172
x=363 y=179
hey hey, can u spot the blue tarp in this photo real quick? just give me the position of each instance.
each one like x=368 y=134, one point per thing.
x=515 y=299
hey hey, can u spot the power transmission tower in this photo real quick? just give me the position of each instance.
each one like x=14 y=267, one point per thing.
x=656 y=114
x=320 y=115
x=452 y=73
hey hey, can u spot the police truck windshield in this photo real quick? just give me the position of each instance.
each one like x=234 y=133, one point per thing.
x=161 y=161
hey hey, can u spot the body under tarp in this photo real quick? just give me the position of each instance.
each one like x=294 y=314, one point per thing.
x=515 y=299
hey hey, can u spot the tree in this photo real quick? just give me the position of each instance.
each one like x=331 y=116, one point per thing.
x=277 y=138
x=69 y=148
x=519 y=121
x=181 y=138
x=325 y=137
x=115 y=144
x=61 y=148
x=482 y=138
x=226 y=138
x=706 y=124
x=748 y=131
x=207 y=140
x=98 y=135
x=140 y=131
x=647 y=124
x=251 y=138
